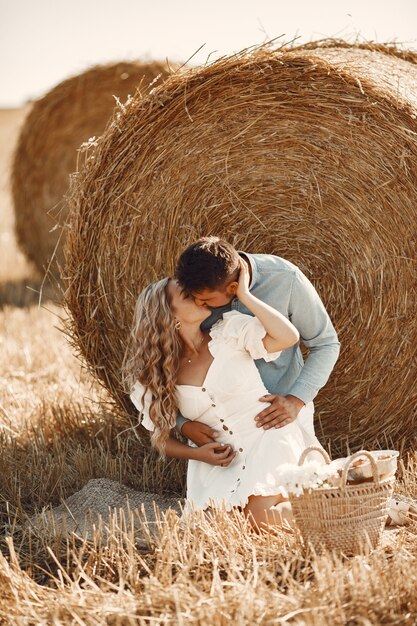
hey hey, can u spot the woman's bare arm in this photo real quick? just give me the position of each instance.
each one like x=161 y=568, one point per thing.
x=213 y=453
x=280 y=333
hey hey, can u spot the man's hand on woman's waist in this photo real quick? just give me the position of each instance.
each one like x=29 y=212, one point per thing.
x=282 y=411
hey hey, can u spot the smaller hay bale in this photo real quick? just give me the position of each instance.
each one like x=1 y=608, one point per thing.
x=84 y=511
x=57 y=124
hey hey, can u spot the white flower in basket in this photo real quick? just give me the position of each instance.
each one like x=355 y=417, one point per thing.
x=329 y=512
x=300 y=478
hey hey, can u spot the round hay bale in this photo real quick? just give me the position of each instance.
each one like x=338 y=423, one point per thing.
x=307 y=154
x=386 y=48
x=58 y=123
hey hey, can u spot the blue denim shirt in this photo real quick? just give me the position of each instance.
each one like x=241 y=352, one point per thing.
x=283 y=286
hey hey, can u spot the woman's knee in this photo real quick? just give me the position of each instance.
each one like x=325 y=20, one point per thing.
x=264 y=511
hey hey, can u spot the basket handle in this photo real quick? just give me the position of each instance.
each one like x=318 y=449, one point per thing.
x=311 y=449
x=374 y=466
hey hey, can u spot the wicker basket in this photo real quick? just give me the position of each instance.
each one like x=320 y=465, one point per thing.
x=349 y=518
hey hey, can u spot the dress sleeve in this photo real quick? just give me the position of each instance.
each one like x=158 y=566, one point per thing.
x=142 y=403
x=243 y=332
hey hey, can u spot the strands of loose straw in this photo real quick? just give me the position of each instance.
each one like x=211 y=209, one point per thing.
x=308 y=154
x=214 y=571
x=390 y=49
x=74 y=112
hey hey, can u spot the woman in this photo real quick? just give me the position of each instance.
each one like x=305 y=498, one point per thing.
x=172 y=364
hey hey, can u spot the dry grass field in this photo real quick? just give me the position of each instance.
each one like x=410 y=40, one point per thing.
x=58 y=430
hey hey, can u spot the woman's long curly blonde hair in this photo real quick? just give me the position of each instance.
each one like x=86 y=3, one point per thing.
x=152 y=358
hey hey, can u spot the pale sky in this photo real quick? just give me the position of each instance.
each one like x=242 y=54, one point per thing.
x=42 y=42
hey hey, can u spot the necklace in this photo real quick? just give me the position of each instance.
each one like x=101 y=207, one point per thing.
x=190 y=359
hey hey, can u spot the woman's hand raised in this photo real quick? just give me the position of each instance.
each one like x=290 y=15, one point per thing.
x=243 y=281
x=198 y=433
x=215 y=454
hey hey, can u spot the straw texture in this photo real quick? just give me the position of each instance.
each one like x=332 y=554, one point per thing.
x=58 y=123
x=391 y=49
x=307 y=154
x=349 y=518
x=96 y=503
x=349 y=521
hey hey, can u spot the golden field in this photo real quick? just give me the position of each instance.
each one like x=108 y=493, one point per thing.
x=58 y=430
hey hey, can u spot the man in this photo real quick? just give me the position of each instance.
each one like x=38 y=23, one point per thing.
x=208 y=270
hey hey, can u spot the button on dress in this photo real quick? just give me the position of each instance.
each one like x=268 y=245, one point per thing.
x=228 y=401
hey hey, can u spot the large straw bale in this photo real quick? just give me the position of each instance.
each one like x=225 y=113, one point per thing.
x=308 y=154
x=58 y=123
x=387 y=48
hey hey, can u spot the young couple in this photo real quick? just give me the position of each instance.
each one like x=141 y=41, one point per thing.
x=215 y=354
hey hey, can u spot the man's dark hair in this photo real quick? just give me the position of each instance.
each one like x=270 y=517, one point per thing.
x=208 y=263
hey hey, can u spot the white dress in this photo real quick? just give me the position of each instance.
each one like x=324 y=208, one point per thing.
x=228 y=402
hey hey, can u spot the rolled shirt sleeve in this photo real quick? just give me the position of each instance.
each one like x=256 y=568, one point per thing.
x=309 y=316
